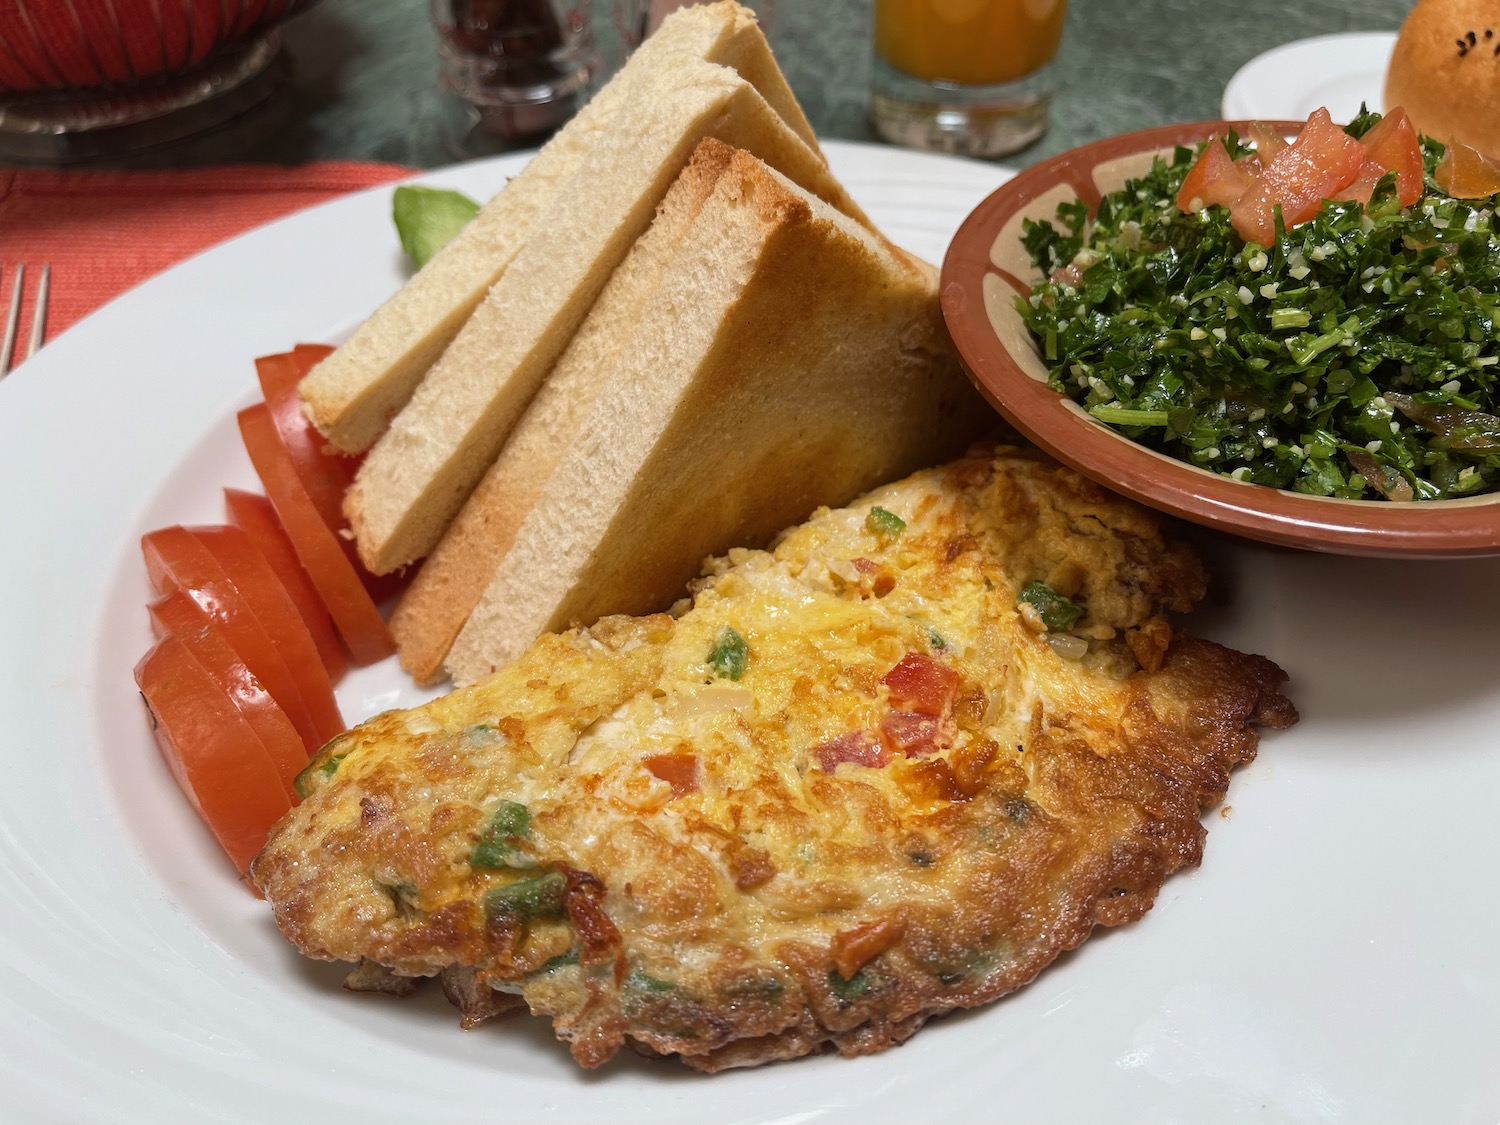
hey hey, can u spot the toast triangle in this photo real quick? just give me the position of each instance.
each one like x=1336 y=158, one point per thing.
x=353 y=394
x=420 y=472
x=788 y=359
x=453 y=578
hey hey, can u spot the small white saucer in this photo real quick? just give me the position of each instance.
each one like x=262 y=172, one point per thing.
x=1290 y=81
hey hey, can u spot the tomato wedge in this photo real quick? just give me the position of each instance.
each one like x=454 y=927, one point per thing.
x=1363 y=186
x=254 y=515
x=338 y=583
x=179 y=616
x=1268 y=142
x=1215 y=178
x=1393 y=145
x=175 y=560
x=1465 y=173
x=1322 y=161
x=268 y=600
x=218 y=761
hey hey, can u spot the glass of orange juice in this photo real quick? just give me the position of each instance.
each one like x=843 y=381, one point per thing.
x=966 y=76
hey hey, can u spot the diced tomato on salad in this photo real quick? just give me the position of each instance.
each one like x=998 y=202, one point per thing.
x=1293 y=178
x=1217 y=178
x=1466 y=173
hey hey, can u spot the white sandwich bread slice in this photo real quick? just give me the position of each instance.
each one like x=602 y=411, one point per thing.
x=453 y=578
x=787 y=359
x=423 y=468
x=353 y=394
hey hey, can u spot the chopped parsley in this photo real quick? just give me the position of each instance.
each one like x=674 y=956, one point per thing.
x=322 y=767
x=561 y=961
x=645 y=982
x=1356 y=357
x=509 y=823
x=884 y=523
x=728 y=655
x=537 y=897
x=851 y=989
x=1057 y=612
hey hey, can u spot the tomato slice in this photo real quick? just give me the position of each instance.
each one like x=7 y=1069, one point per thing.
x=175 y=560
x=1465 y=173
x=179 y=616
x=308 y=356
x=1321 y=162
x=382 y=587
x=176 y=613
x=354 y=613
x=254 y=515
x=1215 y=178
x=213 y=752
x=325 y=476
x=268 y=600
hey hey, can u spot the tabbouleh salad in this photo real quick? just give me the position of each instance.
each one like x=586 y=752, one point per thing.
x=1354 y=357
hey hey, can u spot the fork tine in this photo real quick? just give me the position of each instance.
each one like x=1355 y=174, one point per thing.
x=12 y=319
x=39 y=312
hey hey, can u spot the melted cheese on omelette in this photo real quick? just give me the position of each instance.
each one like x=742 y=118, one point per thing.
x=853 y=783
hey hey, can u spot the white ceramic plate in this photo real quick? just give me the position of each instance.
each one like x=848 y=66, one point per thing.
x=1290 y=81
x=1335 y=960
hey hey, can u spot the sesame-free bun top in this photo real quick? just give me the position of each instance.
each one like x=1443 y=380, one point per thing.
x=1445 y=71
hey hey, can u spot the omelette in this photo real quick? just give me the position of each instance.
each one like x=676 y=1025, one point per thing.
x=890 y=767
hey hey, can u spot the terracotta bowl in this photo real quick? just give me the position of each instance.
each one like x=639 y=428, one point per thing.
x=987 y=266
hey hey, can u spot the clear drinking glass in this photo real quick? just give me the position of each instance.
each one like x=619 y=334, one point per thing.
x=973 y=77
x=518 y=68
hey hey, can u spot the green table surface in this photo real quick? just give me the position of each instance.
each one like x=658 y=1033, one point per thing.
x=364 y=76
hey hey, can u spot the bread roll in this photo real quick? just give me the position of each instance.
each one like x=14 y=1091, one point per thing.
x=1445 y=72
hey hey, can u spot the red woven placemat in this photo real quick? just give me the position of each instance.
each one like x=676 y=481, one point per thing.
x=106 y=231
